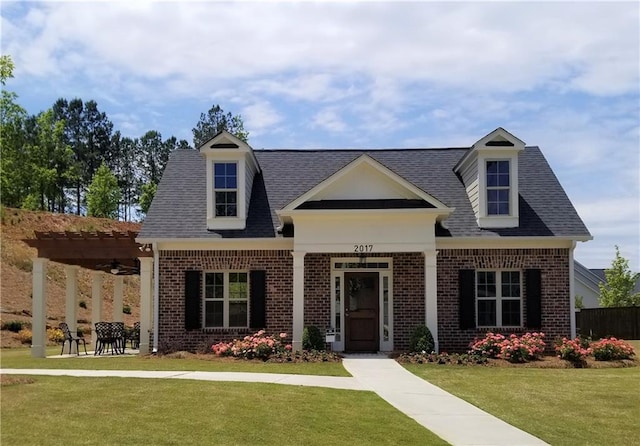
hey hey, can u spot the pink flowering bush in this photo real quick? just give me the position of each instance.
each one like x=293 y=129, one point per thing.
x=572 y=350
x=611 y=349
x=514 y=348
x=256 y=346
x=488 y=347
x=522 y=349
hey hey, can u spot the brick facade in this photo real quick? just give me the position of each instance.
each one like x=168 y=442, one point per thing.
x=554 y=266
x=408 y=291
x=279 y=275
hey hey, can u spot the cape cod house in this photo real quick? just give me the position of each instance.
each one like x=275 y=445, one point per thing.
x=366 y=243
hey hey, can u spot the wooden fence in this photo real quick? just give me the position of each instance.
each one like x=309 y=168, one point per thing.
x=621 y=322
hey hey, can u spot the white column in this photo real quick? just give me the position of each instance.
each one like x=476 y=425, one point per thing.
x=96 y=304
x=298 y=299
x=118 y=287
x=71 y=306
x=146 y=294
x=39 y=308
x=431 y=294
x=572 y=291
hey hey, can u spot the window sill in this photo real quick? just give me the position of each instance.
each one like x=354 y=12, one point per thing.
x=221 y=223
x=503 y=329
x=498 y=221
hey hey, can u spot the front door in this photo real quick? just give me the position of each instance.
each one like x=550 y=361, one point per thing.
x=361 y=311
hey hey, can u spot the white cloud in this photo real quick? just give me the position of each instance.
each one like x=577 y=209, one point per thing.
x=329 y=119
x=260 y=117
x=494 y=46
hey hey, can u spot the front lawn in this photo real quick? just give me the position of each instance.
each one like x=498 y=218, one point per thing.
x=115 y=411
x=560 y=406
x=20 y=358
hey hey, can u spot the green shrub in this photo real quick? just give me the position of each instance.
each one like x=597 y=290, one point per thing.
x=612 y=349
x=312 y=339
x=421 y=340
x=14 y=326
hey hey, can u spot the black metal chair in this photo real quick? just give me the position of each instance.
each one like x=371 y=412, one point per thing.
x=104 y=338
x=134 y=336
x=119 y=336
x=70 y=338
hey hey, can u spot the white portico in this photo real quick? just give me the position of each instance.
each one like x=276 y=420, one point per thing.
x=351 y=212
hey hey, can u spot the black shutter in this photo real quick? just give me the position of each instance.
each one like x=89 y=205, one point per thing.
x=257 y=318
x=192 y=287
x=467 y=290
x=534 y=298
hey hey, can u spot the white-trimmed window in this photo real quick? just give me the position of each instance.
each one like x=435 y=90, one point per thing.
x=498 y=187
x=226 y=299
x=498 y=299
x=225 y=189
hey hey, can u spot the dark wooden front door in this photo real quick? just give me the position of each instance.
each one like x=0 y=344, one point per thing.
x=361 y=312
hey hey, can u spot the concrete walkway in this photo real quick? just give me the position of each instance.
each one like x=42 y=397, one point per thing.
x=447 y=416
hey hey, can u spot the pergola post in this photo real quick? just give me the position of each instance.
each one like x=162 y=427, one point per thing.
x=118 y=291
x=71 y=307
x=146 y=296
x=39 y=308
x=96 y=303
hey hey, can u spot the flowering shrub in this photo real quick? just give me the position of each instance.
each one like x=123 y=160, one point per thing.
x=488 y=347
x=572 y=350
x=527 y=347
x=55 y=335
x=25 y=336
x=611 y=349
x=256 y=346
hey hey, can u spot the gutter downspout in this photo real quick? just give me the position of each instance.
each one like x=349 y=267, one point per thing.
x=572 y=298
x=156 y=295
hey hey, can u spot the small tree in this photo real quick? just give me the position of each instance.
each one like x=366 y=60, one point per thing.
x=103 y=195
x=146 y=197
x=618 y=290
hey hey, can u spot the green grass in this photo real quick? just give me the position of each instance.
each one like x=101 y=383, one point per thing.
x=560 y=406
x=115 y=411
x=20 y=358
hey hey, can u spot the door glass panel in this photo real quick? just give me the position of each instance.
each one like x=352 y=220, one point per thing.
x=337 y=308
x=385 y=308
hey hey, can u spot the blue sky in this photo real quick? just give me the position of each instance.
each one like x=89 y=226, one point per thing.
x=562 y=76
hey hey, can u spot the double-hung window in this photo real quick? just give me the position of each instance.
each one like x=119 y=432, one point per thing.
x=499 y=299
x=226 y=297
x=498 y=187
x=225 y=179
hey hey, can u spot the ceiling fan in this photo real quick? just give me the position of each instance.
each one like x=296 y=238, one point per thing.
x=118 y=268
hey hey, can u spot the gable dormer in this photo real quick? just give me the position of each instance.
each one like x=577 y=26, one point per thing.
x=231 y=167
x=489 y=171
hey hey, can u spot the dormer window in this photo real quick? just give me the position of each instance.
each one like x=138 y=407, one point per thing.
x=226 y=189
x=489 y=171
x=498 y=187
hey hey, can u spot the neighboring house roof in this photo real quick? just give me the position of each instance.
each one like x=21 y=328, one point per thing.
x=589 y=278
x=178 y=210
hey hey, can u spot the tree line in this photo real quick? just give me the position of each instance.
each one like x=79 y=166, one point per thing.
x=70 y=159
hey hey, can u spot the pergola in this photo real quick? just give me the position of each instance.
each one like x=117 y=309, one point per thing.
x=114 y=252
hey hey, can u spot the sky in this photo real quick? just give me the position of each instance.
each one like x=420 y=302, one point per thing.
x=363 y=75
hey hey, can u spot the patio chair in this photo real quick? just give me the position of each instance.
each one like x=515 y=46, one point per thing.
x=68 y=337
x=134 y=336
x=104 y=338
x=119 y=337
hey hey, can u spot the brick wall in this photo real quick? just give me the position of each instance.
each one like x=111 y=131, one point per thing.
x=554 y=266
x=408 y=291
x=279 y=281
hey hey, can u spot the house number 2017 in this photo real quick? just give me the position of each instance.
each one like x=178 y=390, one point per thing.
x=362 y=248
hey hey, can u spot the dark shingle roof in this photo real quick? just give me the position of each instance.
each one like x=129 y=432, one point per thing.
x=179 y=208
